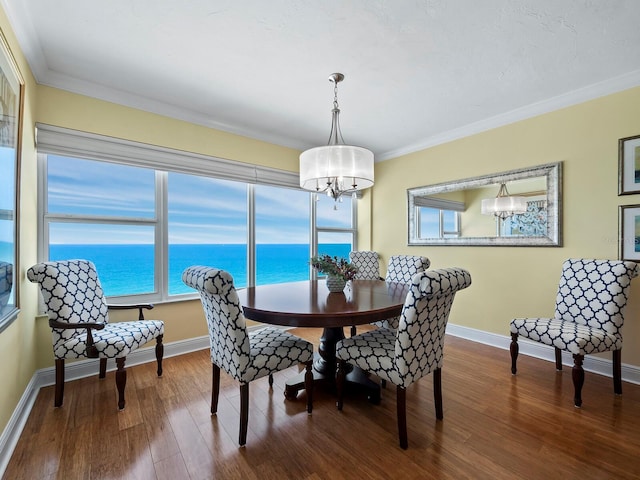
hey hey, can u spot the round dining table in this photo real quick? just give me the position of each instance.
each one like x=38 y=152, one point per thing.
x=310 y=304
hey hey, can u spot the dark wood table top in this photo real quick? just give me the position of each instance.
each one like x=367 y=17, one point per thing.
x=309 y=303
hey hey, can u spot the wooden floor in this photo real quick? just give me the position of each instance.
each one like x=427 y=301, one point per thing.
x=495 y=426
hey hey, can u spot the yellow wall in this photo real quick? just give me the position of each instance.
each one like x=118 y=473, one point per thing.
x=17 y=346
x=522 y=281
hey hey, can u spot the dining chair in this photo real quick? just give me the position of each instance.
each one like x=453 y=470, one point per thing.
x=368 y=265
x=415 y=349
x=245 y=356
x=588 y=318
x=79 y=320
x=401 y=269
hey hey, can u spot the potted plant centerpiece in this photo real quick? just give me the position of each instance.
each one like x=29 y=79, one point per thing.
x=338 y=271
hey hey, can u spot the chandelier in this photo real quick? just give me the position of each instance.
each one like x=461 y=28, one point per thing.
x=503 y=205
x=336 y=168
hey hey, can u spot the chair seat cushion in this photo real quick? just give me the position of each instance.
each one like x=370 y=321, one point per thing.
x=570 y=336
x=115 y=340
x=372 y=351
x=272 y=350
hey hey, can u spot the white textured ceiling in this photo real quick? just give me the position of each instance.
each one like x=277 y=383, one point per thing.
x=417 y=72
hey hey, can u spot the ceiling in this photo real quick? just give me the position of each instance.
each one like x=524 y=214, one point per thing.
x=418 y=73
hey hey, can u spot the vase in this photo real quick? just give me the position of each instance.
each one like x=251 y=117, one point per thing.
x=335 y=284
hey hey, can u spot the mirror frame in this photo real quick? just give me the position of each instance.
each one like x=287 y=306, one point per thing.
x=553 y=174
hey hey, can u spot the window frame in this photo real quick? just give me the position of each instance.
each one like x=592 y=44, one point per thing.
x=52 y=140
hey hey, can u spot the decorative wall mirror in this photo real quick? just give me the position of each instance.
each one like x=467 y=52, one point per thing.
x=515 y=208
x=11 y=104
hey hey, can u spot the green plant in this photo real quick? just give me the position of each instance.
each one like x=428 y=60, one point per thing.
x=336 y=266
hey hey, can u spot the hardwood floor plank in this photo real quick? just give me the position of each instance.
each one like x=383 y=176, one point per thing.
x=495 y=426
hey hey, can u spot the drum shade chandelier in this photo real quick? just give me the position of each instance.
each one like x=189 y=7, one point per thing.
x=503 y=205
x=336 y=168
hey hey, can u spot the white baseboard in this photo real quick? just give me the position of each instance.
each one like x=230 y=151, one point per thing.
x=86 y=368
x=591 y=363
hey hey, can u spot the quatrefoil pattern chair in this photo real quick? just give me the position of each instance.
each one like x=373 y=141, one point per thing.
x=244 y=355
x=401 y=269
x=415 y=349
x=588 y=318
x=368 y=265
x=79 y=321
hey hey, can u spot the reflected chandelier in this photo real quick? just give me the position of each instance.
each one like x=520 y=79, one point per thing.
x=504 y=205
x=336 y=168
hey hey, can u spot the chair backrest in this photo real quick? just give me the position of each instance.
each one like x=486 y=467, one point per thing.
x=594 y=292
x=402 y=268
x=71 y=291
x=229 y=341
x=6 y=283
x=423 y=322
x=367 y=263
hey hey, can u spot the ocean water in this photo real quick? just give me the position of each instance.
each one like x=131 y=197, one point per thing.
x=128 y=269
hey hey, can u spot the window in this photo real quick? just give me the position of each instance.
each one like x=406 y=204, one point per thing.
x=438 y=217
x=143 y=214
x=438 y=223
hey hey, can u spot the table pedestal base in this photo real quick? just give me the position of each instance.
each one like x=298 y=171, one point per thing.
x=324 y=371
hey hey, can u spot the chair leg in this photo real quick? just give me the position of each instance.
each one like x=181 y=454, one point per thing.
x=578 y=379
x=558 y=359
x=437 y=392
x=308 y=386
x=402 y=416
x=513 y=348
x=383 y=383
x=617 y=372
x=159 y=353
x=57 y=402
x=244 y=413
x=215 y=388
x=121 y=380
x=103 y=368
x=341 y=375
x=353 y=330
x=270 y=380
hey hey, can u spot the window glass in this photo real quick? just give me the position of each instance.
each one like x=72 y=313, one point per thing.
x=429 y=222
x=282 y=235
x=207 y=226
x=335 y=243
x=123 y=254
x=88 y=187
x=330 y=213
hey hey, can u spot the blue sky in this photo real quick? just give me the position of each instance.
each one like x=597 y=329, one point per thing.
x=201 y=209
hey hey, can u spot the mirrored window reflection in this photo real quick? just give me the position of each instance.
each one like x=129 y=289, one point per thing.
x=7 y=231
x=282 y=235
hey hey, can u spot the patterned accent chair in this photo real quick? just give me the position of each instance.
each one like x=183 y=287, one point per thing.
x=245 y=356
x=79 y=321
x=401 y=269
x=588 y=318
x=368 y=265
x=415 y=349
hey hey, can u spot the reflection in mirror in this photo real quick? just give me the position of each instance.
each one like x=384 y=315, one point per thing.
x=515 y=208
